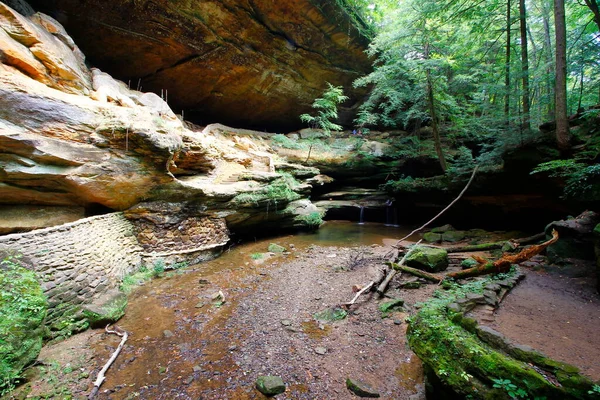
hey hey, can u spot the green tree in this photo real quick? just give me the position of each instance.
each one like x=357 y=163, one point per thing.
x=326 y=108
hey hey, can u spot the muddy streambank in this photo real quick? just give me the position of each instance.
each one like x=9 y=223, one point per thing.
x=187 y=344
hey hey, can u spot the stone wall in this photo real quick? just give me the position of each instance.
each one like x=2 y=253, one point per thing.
x=172 y=233
x=78 y=262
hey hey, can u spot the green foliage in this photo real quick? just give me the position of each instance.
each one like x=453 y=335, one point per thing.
x=595 y=390
x=23 y=307
x=512 y=390
x=278 y=191
x=462 y=163
x=158 y=267
x=129 y=282
x=326 y=108
x=256 y=256
x=311 y=220
x=582 y=181
x=285 y=142
x=413 y=185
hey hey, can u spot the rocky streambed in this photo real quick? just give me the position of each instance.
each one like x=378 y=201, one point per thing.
x=189 y=342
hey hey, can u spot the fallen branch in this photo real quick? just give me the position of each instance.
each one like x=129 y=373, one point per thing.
x=417 y=272
x=496 y=245
x=383 y=286
x=100 y=379
x=348 y=304
x=504 y=263
x=445 y=209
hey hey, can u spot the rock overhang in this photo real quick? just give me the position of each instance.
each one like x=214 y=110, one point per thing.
x=256 y=64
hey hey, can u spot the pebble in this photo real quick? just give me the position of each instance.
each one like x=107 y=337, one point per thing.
x=286 y=322
x=320 y=350
x=167 y=333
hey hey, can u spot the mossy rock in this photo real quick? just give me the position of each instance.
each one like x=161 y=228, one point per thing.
x=389 y=306
x=23 y=307
x=275 y=248
x=453 y=236
x=443 y=229
x=428 y=259
x=331 y=314
x=469 y=367
x=361 y=389
x=432 y=237
x=270 y=385
x=106 y=310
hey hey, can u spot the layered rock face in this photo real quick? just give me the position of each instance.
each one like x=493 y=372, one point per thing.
x=257 y=63
x=74 y=137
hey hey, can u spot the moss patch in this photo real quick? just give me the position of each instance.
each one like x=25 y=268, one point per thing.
x=23 y=307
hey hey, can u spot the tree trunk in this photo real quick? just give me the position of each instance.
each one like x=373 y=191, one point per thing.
x=507 y=67
x=545 y=6
x=562 y=121
x=593 y=5
x=524 y=66
x=433 y=114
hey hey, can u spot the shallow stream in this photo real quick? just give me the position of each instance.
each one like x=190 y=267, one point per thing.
x=180 y=346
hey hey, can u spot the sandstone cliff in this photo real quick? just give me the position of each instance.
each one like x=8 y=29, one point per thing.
x=75 y=137
x=255 y=63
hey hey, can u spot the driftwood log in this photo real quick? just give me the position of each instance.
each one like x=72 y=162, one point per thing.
x=101 y=375
x=504 y=263
x=417 y=272
x=485 y=267
x=384 y=284
x=496 y=245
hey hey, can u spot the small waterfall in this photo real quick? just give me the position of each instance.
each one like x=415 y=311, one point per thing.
x=362 y=215
x=389 y=213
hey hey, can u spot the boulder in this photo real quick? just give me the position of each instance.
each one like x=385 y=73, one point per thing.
x=361 y=389
x=428 y=259
x=270 y=385
x=453 y=236
x=108 y=308
x=21 y=218
x=576 y=237
x=432 y=237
